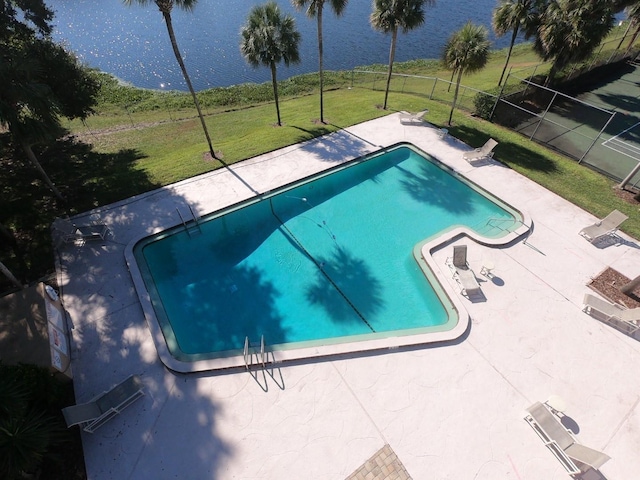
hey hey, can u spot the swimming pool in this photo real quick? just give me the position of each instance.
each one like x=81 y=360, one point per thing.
x=323 y=262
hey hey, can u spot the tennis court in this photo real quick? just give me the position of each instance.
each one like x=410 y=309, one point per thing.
x=597 y=123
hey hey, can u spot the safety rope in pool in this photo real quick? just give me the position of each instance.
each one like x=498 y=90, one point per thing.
x=290 y=233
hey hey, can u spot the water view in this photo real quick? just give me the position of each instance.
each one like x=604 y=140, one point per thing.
x=132 y=42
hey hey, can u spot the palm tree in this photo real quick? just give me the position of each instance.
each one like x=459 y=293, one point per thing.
x=269 y=38
x=466 y=51
x=165 y=7
x=388 y=16
x=314 y=9
x=569 y=30
x=510 y=15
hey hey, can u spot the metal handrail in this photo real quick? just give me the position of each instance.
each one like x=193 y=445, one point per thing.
x=262 y=350
x=246 y=352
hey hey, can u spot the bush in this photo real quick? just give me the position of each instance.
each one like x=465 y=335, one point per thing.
x=32 y=432
x=483 y=103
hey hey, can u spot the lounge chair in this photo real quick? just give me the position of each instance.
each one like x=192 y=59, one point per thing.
x=626 y=320
x=411 y=118
x=95 y=413
x=462 y=273
x=485 y=151
x=575 y=457
x=607 y=226
x=70 y=232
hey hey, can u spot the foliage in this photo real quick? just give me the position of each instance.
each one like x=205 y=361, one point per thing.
x=21 y=19
x=390 y=15
x=512 y=15
x=484 y=102
x=31 y=427
x=567 y=31
x=268 y=38
x=466 y=51
x=40 y=81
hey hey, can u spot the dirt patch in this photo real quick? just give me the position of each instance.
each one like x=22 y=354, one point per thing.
x=628 y=195
x=608 y=285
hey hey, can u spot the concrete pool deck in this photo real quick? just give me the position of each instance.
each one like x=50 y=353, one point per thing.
x=449 y=411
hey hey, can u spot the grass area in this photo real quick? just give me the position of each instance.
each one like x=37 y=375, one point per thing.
x=142 y=139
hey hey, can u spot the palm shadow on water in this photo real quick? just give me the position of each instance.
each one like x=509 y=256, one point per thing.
x=223 y=310
x=433 y=186
x=354 y=278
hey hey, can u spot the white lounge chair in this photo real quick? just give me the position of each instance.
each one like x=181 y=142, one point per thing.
x=485 y=151
x=411 y=118
x=70 y=232
x=575 y=457
x=626 y=320
x=607 y=226
x=95 y=413
x=463 y=275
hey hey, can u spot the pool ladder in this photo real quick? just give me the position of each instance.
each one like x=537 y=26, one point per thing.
x=249 y=353
x=194 y=218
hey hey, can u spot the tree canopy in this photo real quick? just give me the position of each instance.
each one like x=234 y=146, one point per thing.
x=268 y=38
x=41 y=81
x=389 y=16
x=466 y=51
x=567 y=31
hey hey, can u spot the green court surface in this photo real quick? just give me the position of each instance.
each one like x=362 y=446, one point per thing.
x=603 y=132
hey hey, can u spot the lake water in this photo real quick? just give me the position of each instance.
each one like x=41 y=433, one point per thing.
x=132 y=42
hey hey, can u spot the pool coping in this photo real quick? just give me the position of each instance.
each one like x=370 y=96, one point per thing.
x=423 y=254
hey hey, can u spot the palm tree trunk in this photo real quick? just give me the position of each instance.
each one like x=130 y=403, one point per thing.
x=453 y=73
x=633 y=39
x=455 y=95
x=392 y=54
x=275 y=90
x=625 y=35
x=34 y=161
x=320 y=5
x=506 y=63
x=7 y=273
x=174 y=44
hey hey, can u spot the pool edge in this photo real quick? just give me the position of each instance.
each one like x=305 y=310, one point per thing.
x=423 y=254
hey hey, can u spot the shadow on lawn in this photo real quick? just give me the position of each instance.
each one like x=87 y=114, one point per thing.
x=509 y=153
x=86 y=179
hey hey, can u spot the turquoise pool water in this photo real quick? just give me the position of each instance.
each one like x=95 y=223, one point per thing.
x=327 y=260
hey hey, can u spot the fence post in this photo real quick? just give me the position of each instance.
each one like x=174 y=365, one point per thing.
x=495 y=105
x=543 y=116
x=353 y=72
x=433 y=89
x=597 y=137
x=403 y=84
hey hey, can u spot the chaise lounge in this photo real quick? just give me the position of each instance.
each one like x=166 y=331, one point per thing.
x=486 y=151
x=607 y=226
x=575 y=457
x=623 y=319
x=412 y=118
x=459 y=267
x=95 y=413
x=70 y=232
